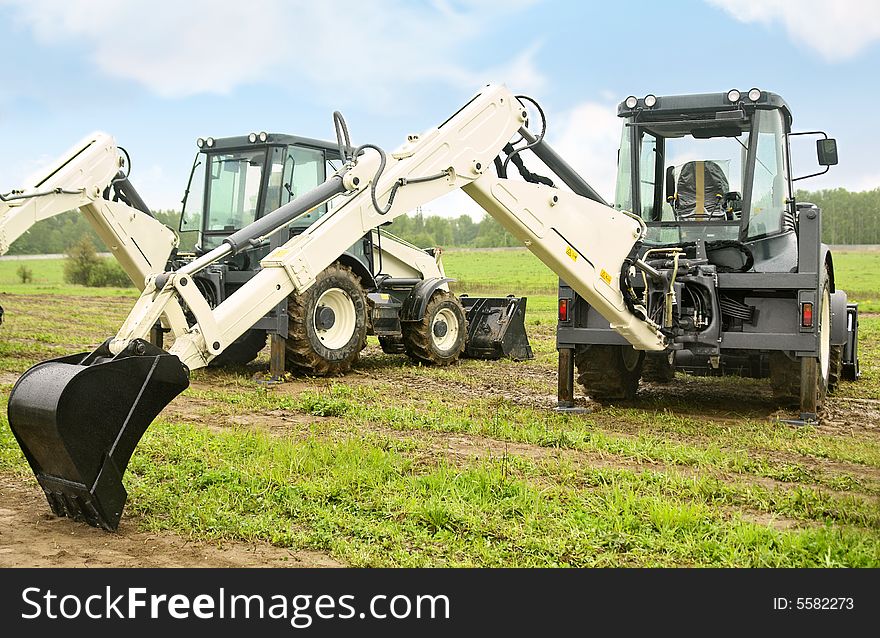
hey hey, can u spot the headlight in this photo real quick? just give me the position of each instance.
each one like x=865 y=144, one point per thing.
x=252 y=138
x=755 y=95
x=264 y=136
x=209 y=142
x=650 y=100
x=200 y=143
x=733 y=96
x=631 y=102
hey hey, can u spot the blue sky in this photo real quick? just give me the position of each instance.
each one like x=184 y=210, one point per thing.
x=157 y=75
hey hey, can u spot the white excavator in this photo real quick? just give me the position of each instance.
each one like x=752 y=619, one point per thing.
x=79 y=435
x=380 y=284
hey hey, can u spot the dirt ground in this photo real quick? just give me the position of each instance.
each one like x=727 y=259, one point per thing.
x=30 y=536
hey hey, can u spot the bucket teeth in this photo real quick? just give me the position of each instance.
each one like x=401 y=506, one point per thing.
x=78 y=420
x=74 y=507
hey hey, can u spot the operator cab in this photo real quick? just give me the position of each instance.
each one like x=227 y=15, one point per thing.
x=709 y=168
x=237 y=180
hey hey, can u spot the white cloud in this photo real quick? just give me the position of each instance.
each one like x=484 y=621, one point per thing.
x=367 y=51
x=587 y=137
x=836 y=29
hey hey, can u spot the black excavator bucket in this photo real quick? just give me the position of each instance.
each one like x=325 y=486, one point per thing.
x=79 y=418
x=496 y=328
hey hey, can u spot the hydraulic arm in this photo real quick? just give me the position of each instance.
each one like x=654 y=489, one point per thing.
x=584 y=241
x=458 y=154
x=79 y=179
x=84 y=178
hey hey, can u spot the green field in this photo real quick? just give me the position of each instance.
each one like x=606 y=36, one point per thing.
x=397 y=464
x=48 y=279
x=499 y=271
x=859 y=274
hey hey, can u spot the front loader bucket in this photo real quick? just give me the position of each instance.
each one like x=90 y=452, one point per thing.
x=496 y=328
x=79 y=418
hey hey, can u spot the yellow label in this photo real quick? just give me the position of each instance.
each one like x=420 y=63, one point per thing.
x=571 y=252
x=278 y=253
x=605 y=276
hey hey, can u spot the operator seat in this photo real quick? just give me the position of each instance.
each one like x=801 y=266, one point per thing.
x=700 y=190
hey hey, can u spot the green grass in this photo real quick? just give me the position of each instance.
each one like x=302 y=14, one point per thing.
x=369 y=503
x=48 y=279
x=631 y=435
x=402 y=465
x=503 y=272
x=859 y=274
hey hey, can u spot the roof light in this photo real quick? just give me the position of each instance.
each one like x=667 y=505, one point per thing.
x=631 y=102
x=264 y=136
x=650 y=100
x=209 y=142
x=252 y=138
x=733 y=95
x=200 y=142
x=755 y=95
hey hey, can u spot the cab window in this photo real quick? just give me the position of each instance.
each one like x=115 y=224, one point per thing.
x=770 y=184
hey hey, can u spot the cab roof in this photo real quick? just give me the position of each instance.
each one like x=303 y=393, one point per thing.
x=702 y=105
x=274 y=139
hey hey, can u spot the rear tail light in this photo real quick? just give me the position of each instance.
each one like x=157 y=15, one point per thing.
x=563 y=309
x=807 y=315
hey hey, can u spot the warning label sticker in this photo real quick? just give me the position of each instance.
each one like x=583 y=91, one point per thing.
x=605 y=276
x=571 y=252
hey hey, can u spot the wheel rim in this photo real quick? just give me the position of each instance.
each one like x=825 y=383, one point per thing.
x=447 y=339
x=825 y=335
x=338 y=334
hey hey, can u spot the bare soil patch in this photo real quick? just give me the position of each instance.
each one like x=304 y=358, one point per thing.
x=30 y=536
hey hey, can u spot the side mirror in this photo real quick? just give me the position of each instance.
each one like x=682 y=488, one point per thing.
x=826 y=151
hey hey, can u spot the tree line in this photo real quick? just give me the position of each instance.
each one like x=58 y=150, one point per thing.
x=847 y=218
x=61 y=233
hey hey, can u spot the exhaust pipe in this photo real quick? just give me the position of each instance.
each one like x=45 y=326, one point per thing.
x=79 y=418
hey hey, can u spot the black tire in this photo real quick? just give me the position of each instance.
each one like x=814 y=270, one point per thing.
x=392 y=344
x=609 y=372
x=439 y=338
x=835 y=368
x=657 y=368
x=785 y=379
x=243 y=350
x=785 y=372
x=316 y=349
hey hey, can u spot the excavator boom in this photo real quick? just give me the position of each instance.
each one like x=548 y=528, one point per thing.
x=79 y=179
x=82 y=178
x=585 y=242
